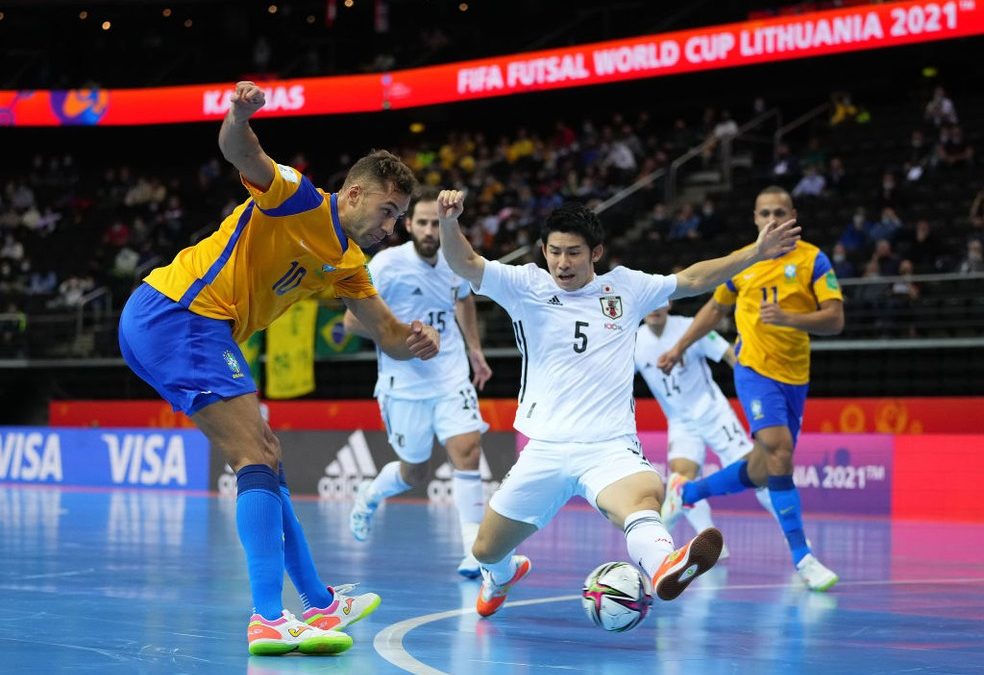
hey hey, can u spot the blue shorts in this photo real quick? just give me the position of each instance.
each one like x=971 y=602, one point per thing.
x=768 y=402
x=191 y=360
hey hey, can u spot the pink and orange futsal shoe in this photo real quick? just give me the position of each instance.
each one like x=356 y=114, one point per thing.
x=492 y=595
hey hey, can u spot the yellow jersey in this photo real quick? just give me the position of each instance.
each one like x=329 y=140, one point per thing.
x=279 y=246
x=798 y=282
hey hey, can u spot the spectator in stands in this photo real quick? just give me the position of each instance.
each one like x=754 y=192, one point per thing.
x=871 y=293
x=13 y=335
x=838 y=182
x=72 y=290
x=890 y=195
x=686 y=225
x=977 y=210
x=20 y=196
x=940 y=111
x=117 y=235
x=855 y=235
x=42 y=282
x=885 y=258
x=725 y=129
x=657 y=223
x=812 y=183
x=901 y=296
x=954 y=150
x=12 y=249
x=711 y=223
x=924 y=248
x=843 y=268
x=921 y=156
x=844 y=110
x=814 y=154
x=887 y=227
x=785 y=168
x=973 y=262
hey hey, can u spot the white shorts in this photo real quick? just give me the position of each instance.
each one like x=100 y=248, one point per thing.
x=718 y=428
x=411 y=424
x=548 y=474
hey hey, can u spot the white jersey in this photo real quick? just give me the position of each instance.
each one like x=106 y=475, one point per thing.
x=688 y=391
x=414 y=289
x=577 y=370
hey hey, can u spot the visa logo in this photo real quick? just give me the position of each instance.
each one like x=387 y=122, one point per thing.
x=146 y=459
x=33 y=456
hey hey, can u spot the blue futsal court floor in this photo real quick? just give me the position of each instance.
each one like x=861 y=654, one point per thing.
x=155 y=582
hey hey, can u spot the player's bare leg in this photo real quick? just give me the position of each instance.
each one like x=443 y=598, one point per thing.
x=633 y=503
x=465 y=453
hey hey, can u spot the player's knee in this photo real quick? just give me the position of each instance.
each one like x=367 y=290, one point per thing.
x=414 y=474
x=781 y=458
x=467 y=458
x=485 y=552
x=647 y=503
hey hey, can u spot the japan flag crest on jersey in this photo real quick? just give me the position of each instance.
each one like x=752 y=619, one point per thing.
x=611 y=306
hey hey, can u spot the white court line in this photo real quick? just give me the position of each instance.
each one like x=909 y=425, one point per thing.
x=388 y=642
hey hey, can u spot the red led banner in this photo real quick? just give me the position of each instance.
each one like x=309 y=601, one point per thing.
x=777 y=39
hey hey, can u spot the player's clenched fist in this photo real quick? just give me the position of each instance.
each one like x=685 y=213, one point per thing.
x=450 y=204
x=423 y=341
x=247 y=99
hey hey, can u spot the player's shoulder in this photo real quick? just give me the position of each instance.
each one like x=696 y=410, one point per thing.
x=805 y=248
x=626 y=277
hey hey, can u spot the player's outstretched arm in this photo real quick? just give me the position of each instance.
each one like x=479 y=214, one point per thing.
x=399 y=340
x=461 y=257
x=774 y=240
x=467 y=318
x=707 y=318
x=353 y=325
x=238 y=143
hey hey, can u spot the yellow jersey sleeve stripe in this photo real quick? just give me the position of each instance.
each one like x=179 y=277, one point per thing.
x=196 y=287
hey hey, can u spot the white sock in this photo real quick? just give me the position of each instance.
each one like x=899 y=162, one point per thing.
x=647 y=540
x=389 y=482
x=699 y=515
x=502 y=571
x=762 y=494
x=469 y=498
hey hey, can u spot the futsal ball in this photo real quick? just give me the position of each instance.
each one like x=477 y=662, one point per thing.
x=616 y=596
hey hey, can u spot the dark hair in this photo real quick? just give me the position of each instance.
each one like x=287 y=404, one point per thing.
x=577 y=219
x=384 y=168
x=427 y=193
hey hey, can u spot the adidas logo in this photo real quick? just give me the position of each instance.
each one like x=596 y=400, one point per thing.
x=439 y=490
x=417 y=291
x=555 y=301
x=352 y=465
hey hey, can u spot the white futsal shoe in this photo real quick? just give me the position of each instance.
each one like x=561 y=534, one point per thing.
x=815 y=574
x=360 y=518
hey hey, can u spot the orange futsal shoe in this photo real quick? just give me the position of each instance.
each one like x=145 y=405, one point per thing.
x=492 y=595
x=688 y=562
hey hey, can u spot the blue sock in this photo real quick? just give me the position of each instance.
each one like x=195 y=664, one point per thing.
x=261 y=527
x=297 y=556
x=786 y=502
x=732 y=478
